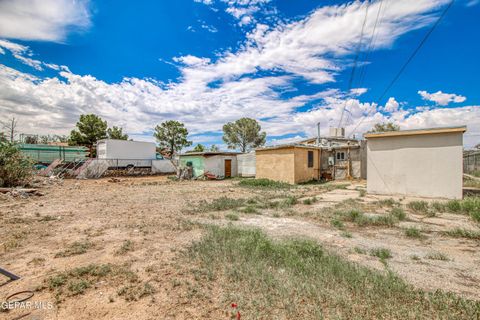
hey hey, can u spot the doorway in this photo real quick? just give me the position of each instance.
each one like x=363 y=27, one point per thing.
x=228 y=168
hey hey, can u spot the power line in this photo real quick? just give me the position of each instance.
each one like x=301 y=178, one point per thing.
x=371 y=44
x=352 y=74
x=414 y=53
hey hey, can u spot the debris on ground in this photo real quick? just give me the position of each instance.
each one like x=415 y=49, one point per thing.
x=21 y=192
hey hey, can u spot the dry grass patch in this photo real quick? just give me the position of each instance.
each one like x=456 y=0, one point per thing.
x=78 y=280
x=76 y=248
x=298 y=279
x=463 y=233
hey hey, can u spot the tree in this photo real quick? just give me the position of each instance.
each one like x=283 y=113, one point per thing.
x=11 y=127
x=385 y=127
x=243 y=134
x=214 y=148
x=172 y=135
x=199 y=148
x=116 y=133
x=91 y=128
x=31 y=139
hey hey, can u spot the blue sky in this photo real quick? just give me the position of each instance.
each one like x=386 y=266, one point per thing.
x=208 y=62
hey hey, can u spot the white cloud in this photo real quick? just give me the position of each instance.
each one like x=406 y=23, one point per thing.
x=23 y=54
x=391 y=105
x=210 y=93
x=36 y=64
x=472 y=3
x=47 y=20
x=442 y=99
x=190 y=60
x=242 y=10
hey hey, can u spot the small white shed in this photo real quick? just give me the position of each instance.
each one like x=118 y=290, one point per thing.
x=221 y=164
x=246 y=164
x=425 y=163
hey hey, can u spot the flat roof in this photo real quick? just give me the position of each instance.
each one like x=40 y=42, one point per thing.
x=210 y=153
x=415 y=132
x=289 y=145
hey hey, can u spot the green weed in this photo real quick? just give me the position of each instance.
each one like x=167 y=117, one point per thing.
x=308 y=282
x=264 y=183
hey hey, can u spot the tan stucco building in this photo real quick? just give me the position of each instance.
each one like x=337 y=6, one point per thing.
x=426 y=163
x=288 y=163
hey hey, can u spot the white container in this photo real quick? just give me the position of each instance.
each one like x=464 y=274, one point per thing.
x=124 y=153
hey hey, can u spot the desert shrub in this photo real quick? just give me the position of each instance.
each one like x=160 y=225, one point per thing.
x=337 y=224
x=453 y=206
x=232 y=216
x=398 y=213
x=127 y=246
x=387 y=202
x=310 y=201
x=413 y=232
x=15 y=168
x=250 y=209
x=463 y=233
x=438 y=206
x=264 y=183
x=76 y=248
x=220 y=204
x=437 y=256
x=381 y=253
x=420 y=207
x=469 y=206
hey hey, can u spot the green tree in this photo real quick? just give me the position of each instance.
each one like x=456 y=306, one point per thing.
x=385 y=127
x=172 y=135
x=243 y=134
x=214 y=148
x=199 y=148
x=91 y=128
x=116 y=133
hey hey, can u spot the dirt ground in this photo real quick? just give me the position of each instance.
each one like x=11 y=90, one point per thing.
x=144 y=224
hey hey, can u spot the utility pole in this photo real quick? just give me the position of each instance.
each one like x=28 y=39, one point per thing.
x=318 y=133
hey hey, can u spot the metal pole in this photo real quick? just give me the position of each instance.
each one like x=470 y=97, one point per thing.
x=9 y=275
x=318 y=133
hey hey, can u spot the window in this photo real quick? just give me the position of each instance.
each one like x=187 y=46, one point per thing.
x=310 y=159
x=340 y=155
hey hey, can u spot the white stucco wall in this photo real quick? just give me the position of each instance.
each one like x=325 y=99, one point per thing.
x=246 y=164
x=216 y=164
x=419 y=165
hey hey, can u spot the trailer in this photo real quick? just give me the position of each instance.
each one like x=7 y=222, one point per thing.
x=126 y=154
x=44 y=154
